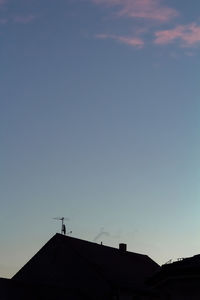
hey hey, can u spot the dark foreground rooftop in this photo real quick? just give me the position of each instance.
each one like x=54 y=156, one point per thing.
x=67 y=261
x=18 y=290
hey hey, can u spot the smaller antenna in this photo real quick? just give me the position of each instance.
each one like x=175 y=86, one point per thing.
x=63 y=226
x=168 y=262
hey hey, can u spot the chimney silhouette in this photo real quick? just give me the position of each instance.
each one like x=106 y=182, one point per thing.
x=122 y=247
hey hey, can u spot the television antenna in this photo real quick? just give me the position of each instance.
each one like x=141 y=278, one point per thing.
x=63 y=226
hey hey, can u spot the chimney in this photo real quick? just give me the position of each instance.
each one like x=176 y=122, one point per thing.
x=122 y=247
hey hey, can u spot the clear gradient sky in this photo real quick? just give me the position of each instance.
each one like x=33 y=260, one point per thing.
x=99 y=122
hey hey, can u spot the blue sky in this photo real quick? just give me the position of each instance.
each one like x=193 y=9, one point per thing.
x=99 y=122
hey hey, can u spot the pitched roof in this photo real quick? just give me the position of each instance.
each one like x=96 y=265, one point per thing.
x=77 y=263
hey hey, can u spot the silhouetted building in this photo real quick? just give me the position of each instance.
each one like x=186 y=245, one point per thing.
x=91 y=270
x=19 y=290
x=179 y=280
x=73 y=269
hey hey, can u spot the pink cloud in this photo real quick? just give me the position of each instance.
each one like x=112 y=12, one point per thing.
x=24 y=19
x=145 y=9
x=189 y=35
x=131 y=41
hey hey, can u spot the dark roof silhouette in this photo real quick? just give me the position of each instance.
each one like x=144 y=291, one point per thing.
x=20 y=290
x=184 y=268
x=67 y=261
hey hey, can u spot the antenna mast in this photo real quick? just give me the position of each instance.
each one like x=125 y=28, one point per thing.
x=63 y=226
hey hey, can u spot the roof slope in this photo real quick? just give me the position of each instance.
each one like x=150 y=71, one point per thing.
x=76 y=263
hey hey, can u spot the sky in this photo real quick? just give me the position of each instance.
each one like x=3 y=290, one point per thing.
x=99 y=123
